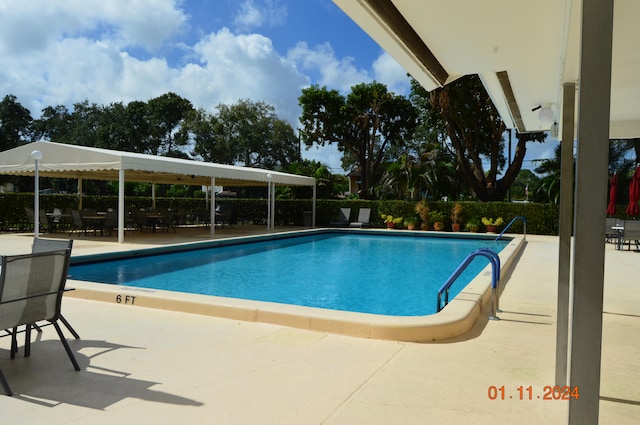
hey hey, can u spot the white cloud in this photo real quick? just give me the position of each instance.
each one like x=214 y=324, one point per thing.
x=234 y=67
x=251 y=15
x=341 y=74
x=33 y=25
x=390 y=73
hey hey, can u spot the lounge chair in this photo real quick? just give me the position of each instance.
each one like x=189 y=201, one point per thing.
x=48 y=245
x=610 y=235
x=364 y=215
x=630 y=233
x=343 y=218
x=31 y=288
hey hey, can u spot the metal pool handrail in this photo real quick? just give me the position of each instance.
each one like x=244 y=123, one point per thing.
x=520 y=217
x=495 y=279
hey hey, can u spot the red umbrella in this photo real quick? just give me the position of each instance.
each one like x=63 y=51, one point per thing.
x=611 y=208
x=634 y=194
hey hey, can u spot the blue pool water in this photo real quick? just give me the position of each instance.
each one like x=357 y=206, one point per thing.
x=379 y=274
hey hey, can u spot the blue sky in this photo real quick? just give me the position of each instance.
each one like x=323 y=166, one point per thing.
x=209 y=51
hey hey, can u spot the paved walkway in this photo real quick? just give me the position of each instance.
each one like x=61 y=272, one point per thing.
x=145 y=366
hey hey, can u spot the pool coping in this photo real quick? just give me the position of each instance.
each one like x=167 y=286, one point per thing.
x=454 y=320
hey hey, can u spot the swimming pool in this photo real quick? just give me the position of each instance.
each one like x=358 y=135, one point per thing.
x=403 y=269
x=368 y=273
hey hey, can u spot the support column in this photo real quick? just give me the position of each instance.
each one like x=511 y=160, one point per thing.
x=269 y=212
x=212 y=210
x=313 y=209
x=80 y=194
x=273 y=206
x=565 y=230
x=121 y=206
x=590 y=209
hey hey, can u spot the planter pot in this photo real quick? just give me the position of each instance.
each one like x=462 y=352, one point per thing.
x=455 y=227
x=424 y=226
x=438 y=226
x=391 y=225
x=411 y=226
x=491 y=228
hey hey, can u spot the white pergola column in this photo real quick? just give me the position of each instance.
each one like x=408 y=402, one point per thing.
x=590 y=209
x=212 y=209
x=313 y=208
x=121 y=206
x=80 y=194
x=565 y=230
x=269 y=212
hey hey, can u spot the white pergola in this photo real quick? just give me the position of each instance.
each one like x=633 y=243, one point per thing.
x=81 y=162
x=576 y=60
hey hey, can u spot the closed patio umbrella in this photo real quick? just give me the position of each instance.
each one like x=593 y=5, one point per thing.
x=613 y=189
x=634 y=194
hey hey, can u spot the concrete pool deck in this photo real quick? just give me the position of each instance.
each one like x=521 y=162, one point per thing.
x=149 y=366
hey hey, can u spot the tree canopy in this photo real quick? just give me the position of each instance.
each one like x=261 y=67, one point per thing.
x=366 y=124
x=246 y=133
x=15 y=122
x=475 y=133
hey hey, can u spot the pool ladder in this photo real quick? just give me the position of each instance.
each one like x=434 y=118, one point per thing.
x=520 y=217
x=495 y=279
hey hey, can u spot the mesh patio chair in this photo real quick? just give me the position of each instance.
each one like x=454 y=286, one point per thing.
x=46 y=245
x=630 y=234
x=343 y=218
x=31 y=288
x=77 y=223
x=364 y=216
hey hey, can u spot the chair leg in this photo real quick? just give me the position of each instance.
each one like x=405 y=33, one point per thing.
x=68 y=326
x=5 y=384
x=27 y=341
x=66 y=346
x=14 y=342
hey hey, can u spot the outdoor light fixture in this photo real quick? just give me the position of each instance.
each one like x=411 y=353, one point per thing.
x=546 y=114
x=36 y=156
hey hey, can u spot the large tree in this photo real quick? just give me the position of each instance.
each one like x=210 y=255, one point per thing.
x=366 y=125
x=246 y=133
x=15 y=122
x=475 y=133
x=166 y=114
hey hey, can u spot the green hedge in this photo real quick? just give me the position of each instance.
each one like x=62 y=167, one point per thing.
x=541 y=218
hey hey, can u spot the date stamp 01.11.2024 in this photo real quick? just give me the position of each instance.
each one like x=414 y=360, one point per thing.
x=549 y=392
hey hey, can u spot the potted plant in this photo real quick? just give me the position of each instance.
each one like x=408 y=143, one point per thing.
x=390 y=220
x=437 y=218
x=410 y=222
x=456 y=217
x=472 y=225
x=422 y=209
x=492 y=224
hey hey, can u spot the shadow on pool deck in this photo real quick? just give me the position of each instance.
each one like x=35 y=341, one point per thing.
x=162 y=367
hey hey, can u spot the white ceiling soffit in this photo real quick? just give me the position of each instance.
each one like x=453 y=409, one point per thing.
x=522 y=51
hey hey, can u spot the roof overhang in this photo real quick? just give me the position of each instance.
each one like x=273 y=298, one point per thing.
x=523 y=51
x=73 y=161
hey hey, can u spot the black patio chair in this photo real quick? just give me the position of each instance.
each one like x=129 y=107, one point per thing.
x=343 y=218
x=31 y=289
x=47 y=245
